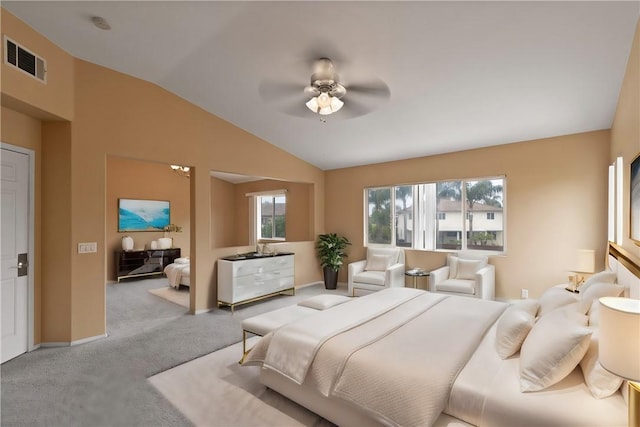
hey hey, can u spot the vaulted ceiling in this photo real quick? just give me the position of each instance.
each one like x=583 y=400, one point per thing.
x=459 y=75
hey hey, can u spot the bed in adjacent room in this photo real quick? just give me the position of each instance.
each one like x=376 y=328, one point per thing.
x=409 y=357
x=178 y=272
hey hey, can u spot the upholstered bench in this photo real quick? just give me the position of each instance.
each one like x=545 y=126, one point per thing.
x=264 y=323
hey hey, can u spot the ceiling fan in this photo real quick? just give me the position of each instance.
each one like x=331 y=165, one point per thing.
x=326 y=94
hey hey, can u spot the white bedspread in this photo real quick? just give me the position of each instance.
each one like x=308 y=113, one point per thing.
x=293 y=347
x=360 y=362
x=175 y=272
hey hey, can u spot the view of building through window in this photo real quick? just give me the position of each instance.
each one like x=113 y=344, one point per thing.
x=450 y=215
x=272 y=209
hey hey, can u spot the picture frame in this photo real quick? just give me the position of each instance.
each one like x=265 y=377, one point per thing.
x=634 y=200
x=143 y=215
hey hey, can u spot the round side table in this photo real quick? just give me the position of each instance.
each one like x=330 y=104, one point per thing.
x=415 y=273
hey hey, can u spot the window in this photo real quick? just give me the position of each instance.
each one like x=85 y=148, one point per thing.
x=448 y=215
x=268 y=218
x=270 y=214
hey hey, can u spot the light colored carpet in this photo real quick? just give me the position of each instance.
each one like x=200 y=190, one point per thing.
x=214 y=390
x=176 y=296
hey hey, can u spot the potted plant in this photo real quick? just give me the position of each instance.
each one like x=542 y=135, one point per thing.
x=331 y=251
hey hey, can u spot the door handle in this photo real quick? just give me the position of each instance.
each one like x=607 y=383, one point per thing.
x=22 y=266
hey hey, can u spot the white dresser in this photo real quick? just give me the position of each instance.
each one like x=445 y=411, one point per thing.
x=242 y=279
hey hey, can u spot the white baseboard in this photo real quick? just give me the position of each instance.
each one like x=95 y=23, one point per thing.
x=306 y=285
x=72 y=343
x=204 y=310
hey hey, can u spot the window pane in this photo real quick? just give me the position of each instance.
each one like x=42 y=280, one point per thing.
x=449 y=215
x=404 y=216
x=279 y=218
x=379 y=219
x=485 y=225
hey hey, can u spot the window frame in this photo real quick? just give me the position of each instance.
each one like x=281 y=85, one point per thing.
x=420 y=205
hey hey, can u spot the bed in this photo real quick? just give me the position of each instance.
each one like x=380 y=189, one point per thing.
x=388 y=359
x=178 y=272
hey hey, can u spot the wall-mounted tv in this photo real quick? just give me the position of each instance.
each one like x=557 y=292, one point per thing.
x=143 y=215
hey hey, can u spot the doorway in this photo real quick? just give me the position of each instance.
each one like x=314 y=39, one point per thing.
x=16 y=235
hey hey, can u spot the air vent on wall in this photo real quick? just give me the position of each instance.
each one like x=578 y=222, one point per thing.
x=25 y=60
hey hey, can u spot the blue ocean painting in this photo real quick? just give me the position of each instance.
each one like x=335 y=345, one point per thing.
x=143 y=215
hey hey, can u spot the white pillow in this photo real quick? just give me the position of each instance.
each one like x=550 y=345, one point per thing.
x=184 y=260
x=467 y=269
x=599 y=290
x=378 y=263
x=324 y=301
x=601 y=277
x=601 y=382
x=553 y=349
x=512 y=329
x=594 y=313
x=555 y=297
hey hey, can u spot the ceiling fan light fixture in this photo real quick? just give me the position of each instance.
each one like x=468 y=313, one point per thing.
x=324 y=104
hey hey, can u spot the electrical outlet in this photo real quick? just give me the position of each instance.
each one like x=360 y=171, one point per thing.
x=524 y=293
x=87 y=248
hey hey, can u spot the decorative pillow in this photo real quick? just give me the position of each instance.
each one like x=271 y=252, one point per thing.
x=184 y=260
x=512 y=329
x=553 y=349
x=453 y=266
x=378 y=263
x=594 y=313
x=605 y=276
x=529 y=305
x=599 y=290
x=467 y=269
x=555 y=297
x=601 y=382
x=322 y=302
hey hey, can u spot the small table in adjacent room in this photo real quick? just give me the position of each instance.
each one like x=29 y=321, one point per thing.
x=415 y=273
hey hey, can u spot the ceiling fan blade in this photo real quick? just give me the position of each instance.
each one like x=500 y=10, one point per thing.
x=353 y=108
x=374 y=88
x=296 y=109
x=271 y=91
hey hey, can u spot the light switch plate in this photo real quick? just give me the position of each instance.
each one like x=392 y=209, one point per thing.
x=87 y=248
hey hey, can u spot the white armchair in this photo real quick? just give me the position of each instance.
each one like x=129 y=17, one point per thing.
x=465 y=274
x=383 y=268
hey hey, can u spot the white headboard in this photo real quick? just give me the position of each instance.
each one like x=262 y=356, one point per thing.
x=627 y=268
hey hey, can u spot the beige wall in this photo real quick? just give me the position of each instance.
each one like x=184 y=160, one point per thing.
x=133 y=179
x=625 y=132
x=223 y=215
x=20 y=91
x=117 y=115
x=556 y=188
x=556 y=192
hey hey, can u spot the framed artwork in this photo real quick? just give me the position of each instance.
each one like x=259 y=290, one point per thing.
x=634 y=224
x=143 y=215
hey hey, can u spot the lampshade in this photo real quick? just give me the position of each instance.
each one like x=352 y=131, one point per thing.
x=324 y=104
x=585 y=261
x=619 y=350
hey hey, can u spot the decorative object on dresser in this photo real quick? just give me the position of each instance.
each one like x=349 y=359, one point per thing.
x=127 y=243
x=143 y=262
x=331 y=251
x=252 y=276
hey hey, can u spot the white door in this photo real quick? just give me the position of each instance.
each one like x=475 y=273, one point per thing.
x=14 y=239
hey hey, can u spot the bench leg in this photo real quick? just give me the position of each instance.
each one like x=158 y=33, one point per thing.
x=244 y=347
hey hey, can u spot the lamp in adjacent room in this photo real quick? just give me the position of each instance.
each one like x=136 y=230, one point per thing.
x=181 y=170
x=584 y=265
x=619 y=346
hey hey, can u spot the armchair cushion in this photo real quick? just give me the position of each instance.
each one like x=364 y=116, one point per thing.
x=370 y=277
x=379 y=262
x=457 y=286
x=467 y=269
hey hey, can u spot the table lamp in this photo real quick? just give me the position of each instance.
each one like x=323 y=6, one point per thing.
x=619 y=348
x=584 y=264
